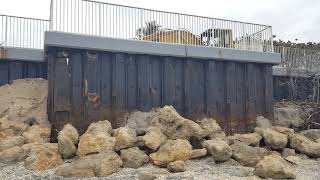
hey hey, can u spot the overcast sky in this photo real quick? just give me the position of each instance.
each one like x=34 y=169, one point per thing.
x=290 y=18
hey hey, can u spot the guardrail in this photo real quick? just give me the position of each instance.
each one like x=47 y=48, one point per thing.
x=297 y=58
x=118 y=21
x=22 y=32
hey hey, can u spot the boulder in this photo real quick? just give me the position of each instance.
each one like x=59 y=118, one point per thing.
x=139 y=121
x=247 y=155
x=154 y=138
x=66 y=147
x=175 y=126
x=10 y=142
x=251 y=139
x=305 y=145
x=37 y=134
x=12 y=154
x=263 y=122
x=211 y=128
x=172 y=150
x=100 y=127
x=101 y=164
x=95 y=143
x=288 y=152
x=70 y=132
x=294 y=160
x=288 y=116
x=283 y=130
x=133 y=157
x=219 y=149
x=125 y=138
x=42 y=156
x=5 y=135
x=273 y=166
x=198 y=153
x=177 y=166
x=312 y=134
x=274 y=139
x=14 y=128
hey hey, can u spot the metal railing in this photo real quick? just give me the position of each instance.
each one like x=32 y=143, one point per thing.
x=297 y=58
x=118 y=21
x=22 y=32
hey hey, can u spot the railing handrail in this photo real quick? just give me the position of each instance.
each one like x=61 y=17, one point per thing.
x=37 y=19
x=170 y=12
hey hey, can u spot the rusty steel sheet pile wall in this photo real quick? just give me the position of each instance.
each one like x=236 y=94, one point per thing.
x=87 y=86
x=16 y=69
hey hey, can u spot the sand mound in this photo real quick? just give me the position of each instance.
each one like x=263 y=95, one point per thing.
x=25 y=100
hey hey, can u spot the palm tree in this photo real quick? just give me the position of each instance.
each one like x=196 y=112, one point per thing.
x=150 y=27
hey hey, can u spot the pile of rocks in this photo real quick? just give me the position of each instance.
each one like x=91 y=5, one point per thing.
x=162 y=137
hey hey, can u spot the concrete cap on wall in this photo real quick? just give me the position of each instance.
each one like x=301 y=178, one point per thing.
x=78 y=41
x=22 y=54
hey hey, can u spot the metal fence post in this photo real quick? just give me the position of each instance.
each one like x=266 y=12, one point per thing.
x=6 y=32
x=51 y=16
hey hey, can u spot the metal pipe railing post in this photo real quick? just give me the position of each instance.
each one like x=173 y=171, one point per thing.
x=51 y=16
x=6 y=31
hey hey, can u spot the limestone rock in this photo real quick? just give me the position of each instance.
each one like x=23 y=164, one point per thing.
x=66 y=147
x=273 y=166
x=274 y=139
x=14 y=128
x=11 y=142
x=42 y=156
x=198 y=153
x=288 y=116
x=37 y=134
x=177 y=166
x=12 y=154
x=125 y=138
x=263 y=122
x=251 y=139
x=172 y=150
x=101 y=164
x=288 y=152
x=312 y=134
x=95 y=143
x=219 y=149
x=154 y=138
x=283 y=130
x=211 y=128
x=305 y=145
x=247 y=155
x=139 y=121
x=133 y=157
x=70 y=132
x=144 y=175
x=175 y=126
x=294 y=159
x=100 y=127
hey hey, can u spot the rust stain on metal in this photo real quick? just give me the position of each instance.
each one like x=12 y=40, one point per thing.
x=3 y=53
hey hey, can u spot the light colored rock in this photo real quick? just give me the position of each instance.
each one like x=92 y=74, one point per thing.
x=125 y=138
x=172 y=150
x=259 y=130
x=12 y=154
x=37 y=134
x=251 y=139
x=211 y=128
x=305 y=145
x=274 y=139
x=139 y=121
x=198 y=153
x=219 y=149
x=273 y=166
x=144 y=175
x=42 y=156
x=294 y=160
x=247 y=155
x=177 y=166
x=5 y=135
x=133 y=157
x=11 y=142
x=312 y=134
x=13 y=128
x=283 y=130
x=25 y=101
x=154 y=138
x=288 y=152
x=100 y=127
x=95 y=143
x=70 y=132
x=263 y=122
x=288 y=116
x=100 y=165
x=66 y=147
x=175 y=126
